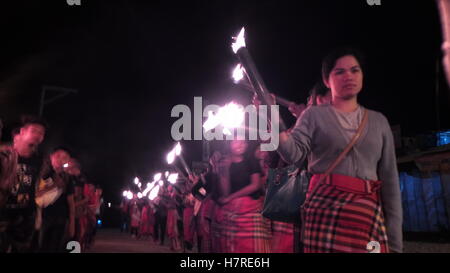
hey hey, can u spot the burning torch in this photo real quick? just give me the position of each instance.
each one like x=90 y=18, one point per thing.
x=238 y=75
x=255 y=79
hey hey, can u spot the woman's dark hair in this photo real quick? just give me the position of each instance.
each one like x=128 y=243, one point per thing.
x=329 y=61
x=319 y=89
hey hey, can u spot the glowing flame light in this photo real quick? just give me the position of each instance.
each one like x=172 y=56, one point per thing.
x=166 y=174
x=129 y=195
x=232 y=115
x=125 y=193
x=178 y=149
x=238 y=73
x=229 y=116
x=66 y=165
x=239 y=41
x=149 y=187
x=170 y=157
x=157 y=177
x=154 y=192
x=139 y=195
x=160 y=183
x=212 y=121
x=136 y=180
x=173 y=178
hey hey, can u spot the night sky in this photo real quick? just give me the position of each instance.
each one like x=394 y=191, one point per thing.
x=132 y=61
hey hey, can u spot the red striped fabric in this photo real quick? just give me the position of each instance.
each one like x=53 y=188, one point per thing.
x=188 y=224
x=282 y=237
x=172 y=227
x=204 y=224
x=338 y=219
x=147 y=222
x=239 y=227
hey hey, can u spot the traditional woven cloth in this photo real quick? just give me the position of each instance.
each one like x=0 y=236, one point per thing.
x=240 y=227
x=189 y=224
x=282 y=237
x=146 y=227
x=343 y=215
x=204 y=224
x=172 y=227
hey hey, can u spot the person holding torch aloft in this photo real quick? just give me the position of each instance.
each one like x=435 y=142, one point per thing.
x=353 y=202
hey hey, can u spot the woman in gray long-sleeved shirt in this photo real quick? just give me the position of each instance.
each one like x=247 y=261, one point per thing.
x=338 y=218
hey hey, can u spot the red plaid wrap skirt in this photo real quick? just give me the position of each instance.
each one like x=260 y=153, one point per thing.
x=172 y=227
x=282 y=237
x=344 y=214
x=239 y=227
x=204 y=219
x=188 y=224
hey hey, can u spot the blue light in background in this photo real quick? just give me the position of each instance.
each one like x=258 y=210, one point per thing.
x=443 y=138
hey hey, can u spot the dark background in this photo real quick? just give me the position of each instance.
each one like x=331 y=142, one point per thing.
x=132 y=61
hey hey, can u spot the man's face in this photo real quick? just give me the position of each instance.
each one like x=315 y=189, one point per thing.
x=29 y=139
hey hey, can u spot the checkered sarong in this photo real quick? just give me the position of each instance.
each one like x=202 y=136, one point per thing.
x=282 y=237
x=340 y=220
x=239 y=227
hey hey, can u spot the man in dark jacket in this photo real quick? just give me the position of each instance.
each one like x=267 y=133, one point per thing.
x=19 y=172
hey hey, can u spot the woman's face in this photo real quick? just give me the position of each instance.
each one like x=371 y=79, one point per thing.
x=345 y=79
x=238 y=147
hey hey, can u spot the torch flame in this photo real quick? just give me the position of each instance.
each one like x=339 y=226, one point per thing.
x=125 y=193
x=139 y=195
x=129 y=195
x=136 y=180
x=170 y=157
x=149 y=188
x=154 y=193
x=157 y=177
x=238 y=73
x=229 y=116
x=239 y=41
x=232 y=115
x=173 y=178
x=178 y=148
x=226 y=131
x=212 y=121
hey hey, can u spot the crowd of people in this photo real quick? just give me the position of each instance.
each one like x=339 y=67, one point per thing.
x=352 y=201
x=45 y=199
x=219 y=209
x=353 y=198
